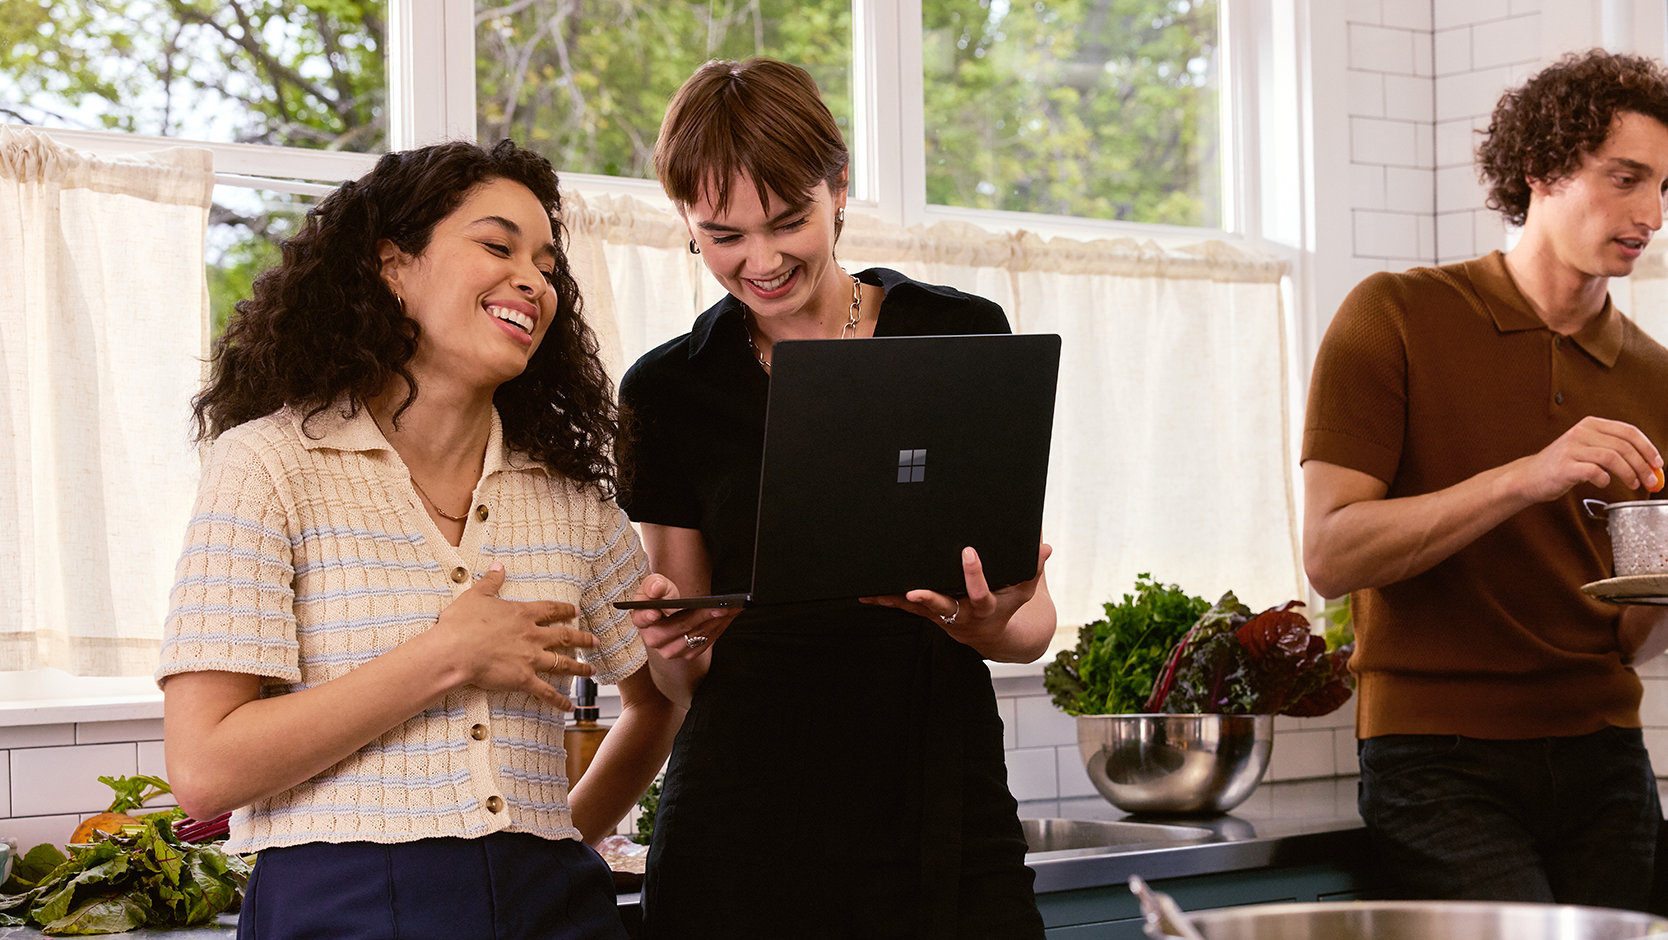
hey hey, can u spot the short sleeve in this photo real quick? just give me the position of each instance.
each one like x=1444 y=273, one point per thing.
x=620 y=566
x=231 y=608
x=1357 y=409
x=651 y=487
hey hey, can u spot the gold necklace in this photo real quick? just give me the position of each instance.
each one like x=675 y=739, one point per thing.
x=846 y=331
x=420 y=491
x=436 y=507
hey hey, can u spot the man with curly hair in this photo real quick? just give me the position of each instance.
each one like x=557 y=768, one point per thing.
x=1457 y=417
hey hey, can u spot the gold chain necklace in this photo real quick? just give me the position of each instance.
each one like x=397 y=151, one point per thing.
x=420 y=491
x=846 y=331
x=436 y=507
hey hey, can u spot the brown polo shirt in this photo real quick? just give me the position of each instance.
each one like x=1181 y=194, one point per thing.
x=1426 y=378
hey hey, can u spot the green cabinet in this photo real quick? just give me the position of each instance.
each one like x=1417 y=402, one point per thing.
x=1112 y=913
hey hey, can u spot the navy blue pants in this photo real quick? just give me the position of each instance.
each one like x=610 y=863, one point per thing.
x=505 y=886
x=1572 y=820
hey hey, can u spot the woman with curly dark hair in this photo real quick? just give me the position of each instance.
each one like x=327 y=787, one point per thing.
x=404 y=545
x=1459 y=416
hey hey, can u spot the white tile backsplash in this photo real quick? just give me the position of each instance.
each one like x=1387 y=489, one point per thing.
x=1043 y=725
x=1377 y=49
x=1033 y=773
x=1452 y=50
x=1406 y=14
x=36 y=735
x=1506 y=42
x=54 y=780
x=1409 y=98
x=101 y=732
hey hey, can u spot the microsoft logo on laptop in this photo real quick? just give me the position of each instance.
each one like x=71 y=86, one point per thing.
x=912 y=466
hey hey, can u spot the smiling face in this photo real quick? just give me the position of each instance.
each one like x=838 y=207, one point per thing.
x=481 y=290
x=778 y=259
x=1598 y=220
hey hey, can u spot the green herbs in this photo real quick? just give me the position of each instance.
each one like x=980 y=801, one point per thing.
x=142 y=876
x=1112 y=669
x=132 y=792
x=648 y=804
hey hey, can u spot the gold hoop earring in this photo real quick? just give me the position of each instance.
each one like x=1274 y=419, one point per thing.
x=692 y=249
x=401 y=301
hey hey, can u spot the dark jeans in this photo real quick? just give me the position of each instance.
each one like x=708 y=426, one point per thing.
x=1572 y=820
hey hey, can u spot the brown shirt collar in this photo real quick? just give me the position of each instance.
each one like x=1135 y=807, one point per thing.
x=1601 y=338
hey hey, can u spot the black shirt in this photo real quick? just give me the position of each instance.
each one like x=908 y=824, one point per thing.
x=692 y=414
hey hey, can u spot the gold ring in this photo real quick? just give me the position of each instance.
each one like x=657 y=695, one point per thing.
x=695 y=642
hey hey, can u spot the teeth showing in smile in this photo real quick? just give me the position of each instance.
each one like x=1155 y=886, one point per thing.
x=513 y=317
x=771 y=284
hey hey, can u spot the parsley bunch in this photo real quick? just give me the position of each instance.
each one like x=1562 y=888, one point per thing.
x=1112 y=669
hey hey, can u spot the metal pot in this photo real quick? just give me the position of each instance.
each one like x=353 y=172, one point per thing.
x=1423 y=920
x=1638 y=534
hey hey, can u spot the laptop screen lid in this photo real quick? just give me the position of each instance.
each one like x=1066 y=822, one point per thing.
x=883 y=458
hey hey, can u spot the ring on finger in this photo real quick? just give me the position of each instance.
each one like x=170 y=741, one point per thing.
x=947 y=621
x=695 y=641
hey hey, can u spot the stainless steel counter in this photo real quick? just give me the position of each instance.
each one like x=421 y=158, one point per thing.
x=1294 y=823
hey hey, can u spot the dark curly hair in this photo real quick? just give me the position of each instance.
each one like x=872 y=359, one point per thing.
x=1542 y=130
x=322 y=326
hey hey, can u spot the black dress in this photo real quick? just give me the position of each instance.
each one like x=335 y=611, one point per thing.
x=840 y=772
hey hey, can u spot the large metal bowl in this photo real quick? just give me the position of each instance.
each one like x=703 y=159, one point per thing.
x=1424 y=920
x=1195 y=765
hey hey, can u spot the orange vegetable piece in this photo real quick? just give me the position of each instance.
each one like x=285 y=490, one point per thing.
x=103 y=822
x=1656 y=481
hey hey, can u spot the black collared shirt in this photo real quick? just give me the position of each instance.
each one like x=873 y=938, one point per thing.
x=692 y=416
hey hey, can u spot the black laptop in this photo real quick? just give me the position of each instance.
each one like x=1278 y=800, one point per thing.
x=884 y=457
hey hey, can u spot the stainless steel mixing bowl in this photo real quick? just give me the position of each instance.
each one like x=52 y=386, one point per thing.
x=1175 y=764
x=1424 y=920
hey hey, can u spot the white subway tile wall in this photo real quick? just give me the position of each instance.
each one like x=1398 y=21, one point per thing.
x=1423 y=78
x=49 y=773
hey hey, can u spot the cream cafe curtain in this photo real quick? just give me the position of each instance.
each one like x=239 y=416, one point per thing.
x=1172 y=430
x=103 y=321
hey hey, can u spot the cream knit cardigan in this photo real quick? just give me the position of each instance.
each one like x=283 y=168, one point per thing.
x=308 y=553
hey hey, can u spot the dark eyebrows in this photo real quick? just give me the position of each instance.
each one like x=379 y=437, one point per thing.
x=777 y=219
x=548 y=249
x=1623 y=163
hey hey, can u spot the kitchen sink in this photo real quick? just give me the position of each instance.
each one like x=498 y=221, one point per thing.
x=1059 y=835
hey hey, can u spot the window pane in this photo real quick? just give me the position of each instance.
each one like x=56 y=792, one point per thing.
x=1102 y=110
x=585 y=82
x=245 y=229
x=295 y=74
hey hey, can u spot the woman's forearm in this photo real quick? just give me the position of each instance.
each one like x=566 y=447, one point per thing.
x=628 y=759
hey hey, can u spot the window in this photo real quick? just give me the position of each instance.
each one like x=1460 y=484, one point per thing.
x=1099 y=111
x=1057 y=118
x=586 y=83
x=289 y=74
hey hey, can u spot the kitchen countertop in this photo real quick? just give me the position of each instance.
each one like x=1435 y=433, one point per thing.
x=1290 y=823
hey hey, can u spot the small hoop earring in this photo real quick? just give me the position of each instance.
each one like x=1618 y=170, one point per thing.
x=840 y=215
x=692 y=249
x=401 y=301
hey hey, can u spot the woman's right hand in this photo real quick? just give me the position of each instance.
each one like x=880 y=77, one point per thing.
x=505 y=645
x=678 y=633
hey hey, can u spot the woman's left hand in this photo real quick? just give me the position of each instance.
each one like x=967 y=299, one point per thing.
x=982 y=618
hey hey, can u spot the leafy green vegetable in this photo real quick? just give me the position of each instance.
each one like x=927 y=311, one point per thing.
x=1233 y=663
x=123 y=881
x=1112 y=669
x=649 y=804
x=132 y=792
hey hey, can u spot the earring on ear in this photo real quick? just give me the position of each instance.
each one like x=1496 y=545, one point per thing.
x=840 y=215
x=692 y=249
x=401 y=301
